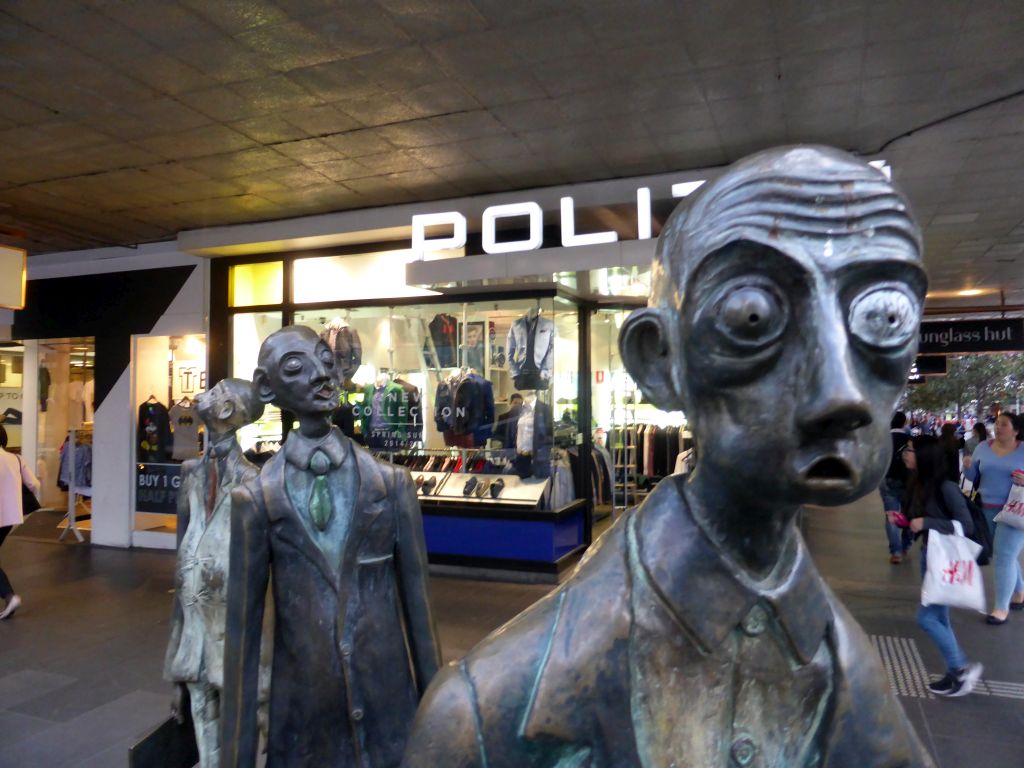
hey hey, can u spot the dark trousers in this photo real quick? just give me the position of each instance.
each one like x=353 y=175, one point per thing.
x=6 y=590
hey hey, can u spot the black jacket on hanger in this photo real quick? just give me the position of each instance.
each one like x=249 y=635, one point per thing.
x=444 y=330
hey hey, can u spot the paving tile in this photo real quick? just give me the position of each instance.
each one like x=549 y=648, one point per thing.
x=15 y=727
x=28 y=684
x=89 y=734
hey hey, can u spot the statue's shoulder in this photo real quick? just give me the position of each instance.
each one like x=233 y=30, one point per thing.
x=391 y=474
x=520 y=687
x=567 y=633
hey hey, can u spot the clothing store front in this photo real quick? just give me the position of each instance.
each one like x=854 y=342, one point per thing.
x=477 y=393
x=102 y=333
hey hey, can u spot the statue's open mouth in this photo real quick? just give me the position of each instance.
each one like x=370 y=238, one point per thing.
x=830 y=468
x=326 y=392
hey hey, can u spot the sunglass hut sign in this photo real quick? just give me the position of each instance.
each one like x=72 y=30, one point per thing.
x=946 y=338
x=454 y=227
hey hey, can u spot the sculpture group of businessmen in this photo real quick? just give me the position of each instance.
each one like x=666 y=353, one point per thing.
x=696 y=632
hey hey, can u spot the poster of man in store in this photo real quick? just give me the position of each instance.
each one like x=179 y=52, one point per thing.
x=474 y=348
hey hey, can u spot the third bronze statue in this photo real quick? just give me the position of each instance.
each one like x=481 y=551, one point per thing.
x=697 y=632
x=341 y=536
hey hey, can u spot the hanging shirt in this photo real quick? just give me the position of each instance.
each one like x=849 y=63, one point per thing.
x=185 y=431
x=154 y=432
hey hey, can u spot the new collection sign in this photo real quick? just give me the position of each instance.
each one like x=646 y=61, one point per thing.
x=965 y=336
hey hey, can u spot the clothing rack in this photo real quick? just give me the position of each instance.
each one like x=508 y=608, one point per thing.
x=76 y=438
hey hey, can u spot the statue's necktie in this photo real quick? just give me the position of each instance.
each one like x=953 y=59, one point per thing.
x=320 y=498
x=212 y=481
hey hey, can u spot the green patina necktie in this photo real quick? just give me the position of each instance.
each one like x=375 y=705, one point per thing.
x=320 y=498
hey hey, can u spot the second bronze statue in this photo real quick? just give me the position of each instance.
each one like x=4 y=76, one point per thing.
x=341 y=536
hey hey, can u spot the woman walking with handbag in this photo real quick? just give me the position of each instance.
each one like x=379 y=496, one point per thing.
x=992 y=469
x=13 y=474
x=935 y=503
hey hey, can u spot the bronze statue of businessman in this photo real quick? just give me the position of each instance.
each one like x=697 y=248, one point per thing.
x=697 y=632
x=341 y=534
x=195 y=652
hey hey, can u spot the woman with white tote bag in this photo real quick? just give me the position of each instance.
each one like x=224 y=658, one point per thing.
x=935 y=504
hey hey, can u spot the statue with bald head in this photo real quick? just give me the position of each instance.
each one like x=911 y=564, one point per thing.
x=783 y=320
x=341 y=534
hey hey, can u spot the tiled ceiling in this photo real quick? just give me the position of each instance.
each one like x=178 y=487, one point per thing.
x=125 y=121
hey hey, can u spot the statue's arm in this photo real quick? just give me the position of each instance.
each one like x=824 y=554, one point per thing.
x=177 y=614
x=248 y=576
x=411 y=565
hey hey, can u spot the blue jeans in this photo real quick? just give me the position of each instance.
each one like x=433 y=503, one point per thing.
x=934 y=620
x=900 y=539
x=1006 y=551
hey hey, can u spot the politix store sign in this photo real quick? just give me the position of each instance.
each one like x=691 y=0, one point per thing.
x=963 y=337
x=455 y=225
x=447 y=230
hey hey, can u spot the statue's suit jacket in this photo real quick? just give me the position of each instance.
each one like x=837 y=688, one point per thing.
x=195 y=653
x=354 y=644
x=658 y=652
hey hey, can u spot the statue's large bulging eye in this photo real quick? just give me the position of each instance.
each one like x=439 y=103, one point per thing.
x=750 y=315
x=292 y=365
x=884 y=317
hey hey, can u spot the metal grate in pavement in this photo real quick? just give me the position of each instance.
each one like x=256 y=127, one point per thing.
x=909 y=677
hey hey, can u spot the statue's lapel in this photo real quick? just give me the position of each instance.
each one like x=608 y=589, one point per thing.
x=369 y=501
x=286 y=522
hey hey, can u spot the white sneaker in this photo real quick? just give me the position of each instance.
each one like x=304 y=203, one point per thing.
x=12 y=605
x=968 y=679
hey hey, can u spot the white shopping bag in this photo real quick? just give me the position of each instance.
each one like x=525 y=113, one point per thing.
x=1012 y=513
x=953 y=577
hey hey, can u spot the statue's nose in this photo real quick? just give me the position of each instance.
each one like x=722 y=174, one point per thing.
x=838 y=403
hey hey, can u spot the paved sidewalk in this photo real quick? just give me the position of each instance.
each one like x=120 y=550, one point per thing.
x=80 y=664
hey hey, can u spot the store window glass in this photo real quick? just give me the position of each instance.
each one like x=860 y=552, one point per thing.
x=248 y=331
x=168 y=373
x=459 y=391
x=643 y=443
x=252 y=285
x=356 y=277
x=65 y=407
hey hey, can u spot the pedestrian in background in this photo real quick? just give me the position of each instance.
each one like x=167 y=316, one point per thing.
x=13 y=472
x=951 y=445
x=992 y=468
x=893 y=490
x=934 y=503
x=979 y=435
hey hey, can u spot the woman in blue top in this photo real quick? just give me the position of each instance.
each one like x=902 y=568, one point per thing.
x=992 y=469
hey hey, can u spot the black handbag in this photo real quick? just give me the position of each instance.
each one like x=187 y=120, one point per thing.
x=29 y=502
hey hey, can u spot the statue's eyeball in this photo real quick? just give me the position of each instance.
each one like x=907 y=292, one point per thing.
x=750 y=315
x=292 y=365
x=327 y=357
x=884 y=317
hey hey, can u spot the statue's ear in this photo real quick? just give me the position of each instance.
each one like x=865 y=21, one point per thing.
x=261 y=382
x=646 y=351
x=226 y=410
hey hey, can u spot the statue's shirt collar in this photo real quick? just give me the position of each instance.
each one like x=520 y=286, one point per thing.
x=298 y=449
x=709 y=595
